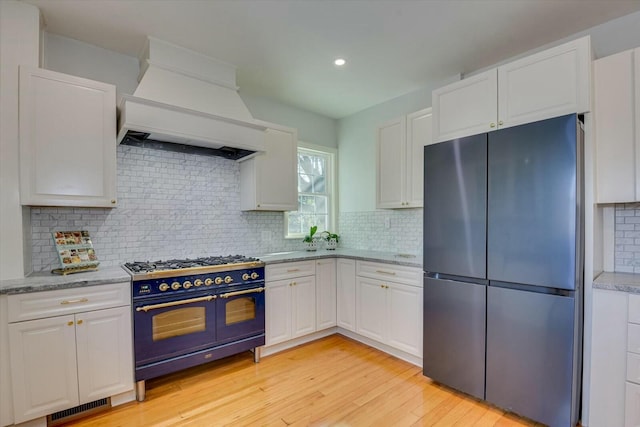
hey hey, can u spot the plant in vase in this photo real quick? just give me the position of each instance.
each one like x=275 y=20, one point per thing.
x=309 y=240
x=332 y=239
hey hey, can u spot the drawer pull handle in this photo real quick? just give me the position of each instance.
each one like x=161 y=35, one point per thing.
x=391 y=273
x=293 y=270
x=74 y=301
x=248 y=291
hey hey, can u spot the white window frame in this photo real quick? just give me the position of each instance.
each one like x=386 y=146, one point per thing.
x=331 y=185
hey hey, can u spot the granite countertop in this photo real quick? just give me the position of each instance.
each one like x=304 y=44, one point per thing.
x=408 y=260
x=624 y=282
x=45 y=281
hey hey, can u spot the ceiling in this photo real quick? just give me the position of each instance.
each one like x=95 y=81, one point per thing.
x=284 y=49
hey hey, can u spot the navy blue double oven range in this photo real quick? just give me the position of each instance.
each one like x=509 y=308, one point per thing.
x=189 y=312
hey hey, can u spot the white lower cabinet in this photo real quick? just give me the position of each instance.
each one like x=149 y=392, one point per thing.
x=325 y=293
x=70 y=359
x=389 y=305
x=615 y=360
x=290 y=301
x=346 y=293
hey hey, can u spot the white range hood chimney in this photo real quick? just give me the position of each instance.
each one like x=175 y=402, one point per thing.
x=187 y=98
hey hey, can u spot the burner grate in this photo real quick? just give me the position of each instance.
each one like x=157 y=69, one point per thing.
x=179 y=264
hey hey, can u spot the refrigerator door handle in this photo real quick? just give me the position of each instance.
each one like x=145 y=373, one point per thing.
x=472 y=280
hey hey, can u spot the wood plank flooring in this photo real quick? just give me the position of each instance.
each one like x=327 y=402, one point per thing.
x=334 y=381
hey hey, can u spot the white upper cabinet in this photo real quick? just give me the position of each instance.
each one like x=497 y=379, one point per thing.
x=67 y=140
x=467 y=107
x=400 y=144
x=547 y=84
x=268 y=181
x=617 y=127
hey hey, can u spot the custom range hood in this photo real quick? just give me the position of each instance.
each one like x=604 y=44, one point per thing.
x=187 y=99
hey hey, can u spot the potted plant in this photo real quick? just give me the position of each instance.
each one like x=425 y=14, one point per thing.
x=331 y=238
x=309 y=240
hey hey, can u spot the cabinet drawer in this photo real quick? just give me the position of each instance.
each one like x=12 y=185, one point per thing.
x=633 y=338
x=38 y=305
x=633 y=367
x=390 y=272
x=289 y=270
x=634 y=308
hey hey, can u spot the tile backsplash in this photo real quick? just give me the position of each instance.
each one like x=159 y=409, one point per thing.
x=170 y=205
x=627 y=238
x=397 y=230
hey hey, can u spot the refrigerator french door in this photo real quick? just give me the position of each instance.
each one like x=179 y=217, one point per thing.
x=503 y=264
x=455 y=218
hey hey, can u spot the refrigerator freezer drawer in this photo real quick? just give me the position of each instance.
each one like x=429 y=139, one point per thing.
x=530 y=357
x=454 y=334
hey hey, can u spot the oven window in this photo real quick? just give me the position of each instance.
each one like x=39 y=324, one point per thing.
x=240 y=310
x=181 y=321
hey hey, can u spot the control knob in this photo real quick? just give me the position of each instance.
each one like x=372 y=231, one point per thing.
x=245 y=276
x=163 y=287
x=254 y=275
x=187 y=284
x=228 y=280
x=208 y=281
x=175 y=286
x=197 y=283
x=218 y=281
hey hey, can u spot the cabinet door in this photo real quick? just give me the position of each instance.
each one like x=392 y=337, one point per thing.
x=548 y=84
x=632 y=412
x=467 y=107
x=404 y=306
x=304 y=306
x=614 y=128
x=371 y=306
x=268 y=181
x=278 y=311
x=325 y=293
x=346 y=294
x=67 y=140
x=419 y=134
x=636 y=83
x=105 y=358
x=391 y=138
x=608 y=358
x=43 y=366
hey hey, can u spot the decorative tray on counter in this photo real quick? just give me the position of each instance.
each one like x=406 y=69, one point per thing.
x=75 y=251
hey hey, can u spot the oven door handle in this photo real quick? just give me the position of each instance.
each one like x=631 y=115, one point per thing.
x=146 y=308
x=248 y=291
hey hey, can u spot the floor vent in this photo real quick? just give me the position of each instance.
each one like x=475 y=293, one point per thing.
x=78 y=412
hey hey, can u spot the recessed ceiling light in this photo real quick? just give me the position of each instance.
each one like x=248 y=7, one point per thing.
x=340 y=62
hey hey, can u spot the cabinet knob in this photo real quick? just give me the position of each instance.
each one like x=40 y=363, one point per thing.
x=80 y=322
x=69 y=323
x=492 y=125
x=500 y=123
x=113 y=202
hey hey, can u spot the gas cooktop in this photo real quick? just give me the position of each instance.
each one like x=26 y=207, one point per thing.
x=178 y=267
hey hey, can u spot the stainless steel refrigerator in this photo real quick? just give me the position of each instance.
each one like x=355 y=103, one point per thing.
x=503 y=263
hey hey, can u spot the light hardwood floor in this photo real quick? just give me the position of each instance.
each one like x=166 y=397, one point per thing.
x=331 y=382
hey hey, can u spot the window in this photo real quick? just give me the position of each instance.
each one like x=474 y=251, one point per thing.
x=315 y=192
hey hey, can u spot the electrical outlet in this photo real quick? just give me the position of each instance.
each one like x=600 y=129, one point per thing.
x=387 y=223
x=266 y=236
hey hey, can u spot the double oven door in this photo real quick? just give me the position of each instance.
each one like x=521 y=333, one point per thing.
x=172 y=326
